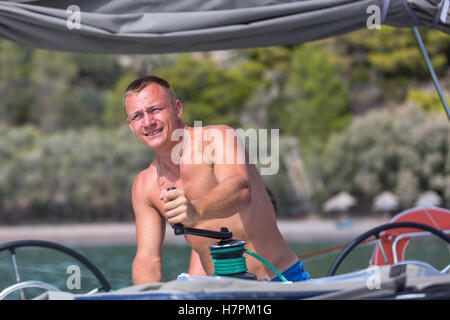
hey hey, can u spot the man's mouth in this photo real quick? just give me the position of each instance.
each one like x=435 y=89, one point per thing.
x=153 y=132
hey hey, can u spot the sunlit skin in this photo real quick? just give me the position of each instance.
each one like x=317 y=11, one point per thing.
x=208 y=195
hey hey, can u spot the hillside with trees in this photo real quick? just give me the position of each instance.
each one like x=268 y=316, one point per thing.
x=356 y=113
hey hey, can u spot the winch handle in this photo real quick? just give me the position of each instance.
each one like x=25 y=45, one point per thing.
x=223 y=234
x=180 y=229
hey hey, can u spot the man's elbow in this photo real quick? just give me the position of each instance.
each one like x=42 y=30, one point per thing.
x=245 y=192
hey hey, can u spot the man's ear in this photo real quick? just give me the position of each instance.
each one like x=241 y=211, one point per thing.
x=178 y=109
x=126 y=113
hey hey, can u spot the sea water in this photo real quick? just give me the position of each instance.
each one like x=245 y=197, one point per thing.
x=115 y=261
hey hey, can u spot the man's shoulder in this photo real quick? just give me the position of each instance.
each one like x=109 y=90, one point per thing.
x=219 y=129
x=144 y=178
x=144 y=186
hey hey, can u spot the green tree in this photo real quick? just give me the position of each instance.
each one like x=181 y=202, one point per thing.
x=114 y=112
x=97 y=70
x=390 y=59
x=72 y=175
x=209 y=92
x=429 y=101
x=314 y=102
x=50 y=76
x=405 y=151
x=277 y=58
x=16 y=94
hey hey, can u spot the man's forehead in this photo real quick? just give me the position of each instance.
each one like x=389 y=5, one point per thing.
x=151 y=95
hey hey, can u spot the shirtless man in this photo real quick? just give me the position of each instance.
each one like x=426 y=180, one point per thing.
x=209 y=194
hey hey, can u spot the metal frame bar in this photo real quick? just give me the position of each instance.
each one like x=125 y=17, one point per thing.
x=431 y=70
x=380 y=245
x=16 y=272
x=27 y=284
x=409 y=235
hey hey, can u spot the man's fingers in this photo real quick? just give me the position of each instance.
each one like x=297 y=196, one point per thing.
x=177 y=215
x=177 y=219
x=168 y=195
x=175 y=211
x=174 y=203
x=177 y=207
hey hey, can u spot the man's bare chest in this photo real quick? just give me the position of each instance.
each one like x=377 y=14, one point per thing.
x=194 y=179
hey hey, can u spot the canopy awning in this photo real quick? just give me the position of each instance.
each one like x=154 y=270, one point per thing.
x=153 y=26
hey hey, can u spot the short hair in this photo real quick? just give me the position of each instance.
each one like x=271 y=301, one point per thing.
x=140 y=84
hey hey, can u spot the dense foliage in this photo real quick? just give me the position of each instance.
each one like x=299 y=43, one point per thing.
x=406 y=151
x=70 y=175
x=360 y=106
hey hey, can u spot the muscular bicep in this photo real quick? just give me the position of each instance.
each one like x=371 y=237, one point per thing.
x=231 y=158
x=232 y=192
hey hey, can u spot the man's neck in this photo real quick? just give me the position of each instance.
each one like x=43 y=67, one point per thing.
x=164 y=156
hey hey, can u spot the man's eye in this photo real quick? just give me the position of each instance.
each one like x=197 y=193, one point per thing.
x=137 y=116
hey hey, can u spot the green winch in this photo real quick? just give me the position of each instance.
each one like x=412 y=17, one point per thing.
x=227 y=254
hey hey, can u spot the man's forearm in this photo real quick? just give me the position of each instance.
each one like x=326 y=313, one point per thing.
x=224 y=200
x=144 y=271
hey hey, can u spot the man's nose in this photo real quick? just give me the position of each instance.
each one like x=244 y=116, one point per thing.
x=149 y=120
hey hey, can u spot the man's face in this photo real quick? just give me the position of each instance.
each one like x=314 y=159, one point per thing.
x=152 y=116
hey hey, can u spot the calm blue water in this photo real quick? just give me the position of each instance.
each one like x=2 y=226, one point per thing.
x=115 y=262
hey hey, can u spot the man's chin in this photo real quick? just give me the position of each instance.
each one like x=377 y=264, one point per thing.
x=151 y=142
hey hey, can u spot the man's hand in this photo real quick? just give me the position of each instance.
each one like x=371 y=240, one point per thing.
x=178 y=208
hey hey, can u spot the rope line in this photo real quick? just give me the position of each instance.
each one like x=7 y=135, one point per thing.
x=326 y=250
x=271 y=267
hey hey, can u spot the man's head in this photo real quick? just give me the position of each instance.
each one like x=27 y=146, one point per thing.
x=153 y=111
x=138 y=85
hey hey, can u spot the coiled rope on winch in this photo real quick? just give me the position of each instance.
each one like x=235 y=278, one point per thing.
x=230 y=260
x=227 y=254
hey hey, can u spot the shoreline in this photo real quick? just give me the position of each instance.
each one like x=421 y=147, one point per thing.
x=111 y=233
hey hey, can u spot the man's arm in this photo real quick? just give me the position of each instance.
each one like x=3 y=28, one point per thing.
x=231 y=194
x=150 y=229
x=195 y=265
